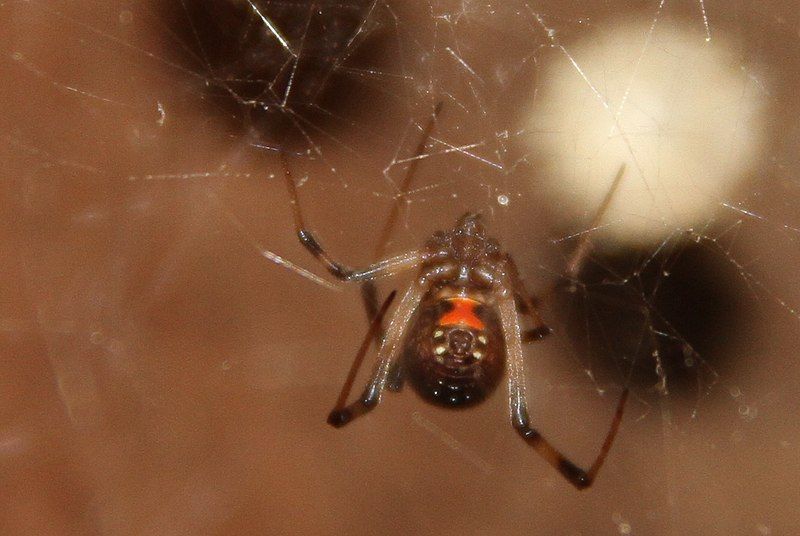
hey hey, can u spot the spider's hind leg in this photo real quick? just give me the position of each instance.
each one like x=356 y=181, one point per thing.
x=396 y=378
x=390 y=350
x=576 y=476
x=369 y=295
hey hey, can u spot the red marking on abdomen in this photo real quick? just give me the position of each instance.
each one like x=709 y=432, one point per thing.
x=463 y=312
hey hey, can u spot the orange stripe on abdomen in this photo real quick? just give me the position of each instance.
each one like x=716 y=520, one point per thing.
x=462 y=313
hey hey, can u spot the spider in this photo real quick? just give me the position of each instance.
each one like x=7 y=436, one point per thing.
x=457 y=327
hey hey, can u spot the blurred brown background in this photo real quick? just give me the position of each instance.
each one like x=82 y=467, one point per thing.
x=158 y=375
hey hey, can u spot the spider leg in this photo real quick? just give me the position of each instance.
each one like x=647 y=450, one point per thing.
x=369 y=295
x=390 y=266
x=362 y=351
x=396 y=378
x=581 y=252
x=369 y=292
x=387 y=356
x=527 y=303
x=578 y=477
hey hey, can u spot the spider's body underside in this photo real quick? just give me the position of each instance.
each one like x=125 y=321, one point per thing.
x=454 y=353
x=456 y=331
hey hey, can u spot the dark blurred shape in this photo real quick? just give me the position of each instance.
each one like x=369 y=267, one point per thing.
x=281 y=68
x=677 y=309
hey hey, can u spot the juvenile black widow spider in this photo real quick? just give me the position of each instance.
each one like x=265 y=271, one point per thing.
x=456 y=325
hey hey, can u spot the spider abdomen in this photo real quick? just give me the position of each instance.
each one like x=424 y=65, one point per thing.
x=454 y=353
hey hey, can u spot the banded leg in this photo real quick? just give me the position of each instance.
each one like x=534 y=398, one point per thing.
x=362 y=350
x=525 y=304
x=390 y=266
x=574 y=265
x=578 y=477
x=387 y=356
x=369 y=292
x=369 y=296
x=581 y=252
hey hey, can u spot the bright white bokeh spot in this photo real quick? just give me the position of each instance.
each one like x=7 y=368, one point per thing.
x=683 y=114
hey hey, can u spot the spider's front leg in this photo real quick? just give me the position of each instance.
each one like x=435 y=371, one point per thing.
x=390 y=266
x=574 y=265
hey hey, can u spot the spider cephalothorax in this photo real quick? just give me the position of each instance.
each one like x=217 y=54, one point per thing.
x=463 y=256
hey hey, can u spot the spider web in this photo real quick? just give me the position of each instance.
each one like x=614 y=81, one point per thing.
x=170 y=349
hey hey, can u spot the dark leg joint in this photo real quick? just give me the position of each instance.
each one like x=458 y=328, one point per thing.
x=339 y=417
x=313 y=246
x=574 y=474
x=530 y=435
x=340 y=272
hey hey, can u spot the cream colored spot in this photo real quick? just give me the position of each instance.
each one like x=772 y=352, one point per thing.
x=689 y=147
x=477 y=355
x=482 y=339
x=438 y=334
x=439 y=350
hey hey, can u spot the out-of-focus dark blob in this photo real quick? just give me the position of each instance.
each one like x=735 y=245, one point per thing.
x=280 y=68
x=683 y=311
